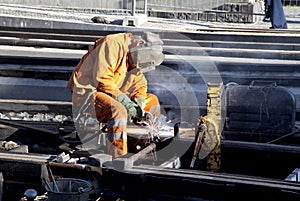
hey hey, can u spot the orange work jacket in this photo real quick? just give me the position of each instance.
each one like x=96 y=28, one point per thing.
x=105 y=66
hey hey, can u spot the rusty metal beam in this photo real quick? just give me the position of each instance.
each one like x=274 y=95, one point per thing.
x=127 y=163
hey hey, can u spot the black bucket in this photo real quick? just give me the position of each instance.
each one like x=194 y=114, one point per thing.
x=68 y=189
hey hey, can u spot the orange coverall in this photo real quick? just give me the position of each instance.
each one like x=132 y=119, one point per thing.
x=105 y=70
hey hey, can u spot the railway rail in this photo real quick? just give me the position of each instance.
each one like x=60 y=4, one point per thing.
x=247 y=167
x=193 y=58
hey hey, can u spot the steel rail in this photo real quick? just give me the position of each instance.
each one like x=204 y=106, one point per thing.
x=209 y=176
x=206 y=34
x=26 y=157
x=17 y=124
x=53 y=36
x=85 y=45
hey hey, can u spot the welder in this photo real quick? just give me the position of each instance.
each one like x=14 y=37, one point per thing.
x=113 y=72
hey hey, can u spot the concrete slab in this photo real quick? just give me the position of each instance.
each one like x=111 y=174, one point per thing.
x=136 y=20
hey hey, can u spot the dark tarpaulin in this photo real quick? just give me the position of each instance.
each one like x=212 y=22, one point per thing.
x=277 y=16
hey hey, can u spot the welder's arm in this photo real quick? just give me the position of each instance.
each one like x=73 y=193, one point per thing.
x=139 y=88
x=135 y=86
x=108 y=65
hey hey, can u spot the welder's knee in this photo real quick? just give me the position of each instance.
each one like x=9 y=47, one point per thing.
x=118 y=111
x=117 y=148
x=152 y=104
x=108 y=108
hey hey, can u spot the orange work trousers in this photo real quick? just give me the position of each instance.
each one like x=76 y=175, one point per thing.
x=108 y=110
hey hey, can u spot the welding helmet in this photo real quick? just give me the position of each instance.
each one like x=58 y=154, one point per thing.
x=147 y=54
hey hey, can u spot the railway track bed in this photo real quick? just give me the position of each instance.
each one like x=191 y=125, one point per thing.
x=36 y=64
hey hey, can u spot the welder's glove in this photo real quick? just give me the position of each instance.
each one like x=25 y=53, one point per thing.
x=133 y=110
x=140 y=102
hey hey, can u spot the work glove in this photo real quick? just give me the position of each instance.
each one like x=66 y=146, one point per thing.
x=133 y=110
x=140 y=102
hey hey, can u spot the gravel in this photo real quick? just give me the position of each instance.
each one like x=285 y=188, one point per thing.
x=44 y=117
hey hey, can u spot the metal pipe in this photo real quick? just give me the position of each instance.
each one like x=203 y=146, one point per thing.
x=47 y=184
x=53 y=179
x=142 y=153
x=145 y=7
x=133 y=7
